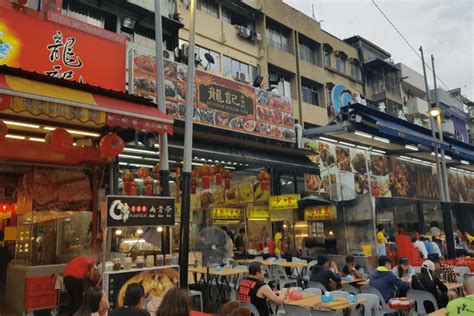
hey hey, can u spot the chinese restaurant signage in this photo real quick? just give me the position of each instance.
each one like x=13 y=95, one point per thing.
x=145 y=211
x=283 y=202
x=226 y=213
x=220 y=102
x=319 y=213
x=256 y=212
x=60 y=51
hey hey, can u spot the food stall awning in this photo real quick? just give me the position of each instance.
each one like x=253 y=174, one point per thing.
x=294 y=164
x=313 y=200
x=56 y=98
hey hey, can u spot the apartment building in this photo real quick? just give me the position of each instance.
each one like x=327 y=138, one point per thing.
x=287 y=48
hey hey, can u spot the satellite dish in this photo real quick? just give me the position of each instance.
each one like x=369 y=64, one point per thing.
x=214 y=245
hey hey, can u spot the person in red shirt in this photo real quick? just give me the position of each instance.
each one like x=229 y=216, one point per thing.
x=79 y=273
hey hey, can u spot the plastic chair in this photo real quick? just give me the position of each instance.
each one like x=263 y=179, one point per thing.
x=350 y=289
x=421 y=297
x=373 y=290
x=318 y=285
x=462 y=272
x=253 y=309
x=194 y=293
x=321 y=312
x=281 y=277
x=371 y=307
x=234 y=284
x=295 y=310
x=313 y=290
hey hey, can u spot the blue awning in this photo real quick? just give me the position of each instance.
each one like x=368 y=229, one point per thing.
x=463 y=153
x=409 y=135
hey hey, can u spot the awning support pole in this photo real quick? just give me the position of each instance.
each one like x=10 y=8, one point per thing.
x=187 y=155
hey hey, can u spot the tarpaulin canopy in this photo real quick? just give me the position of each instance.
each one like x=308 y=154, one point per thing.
x=20 y=94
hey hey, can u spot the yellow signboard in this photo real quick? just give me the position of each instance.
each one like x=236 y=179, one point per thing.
x=225 y=213
x=283 y=202
x=258 y=212
x=319 y=213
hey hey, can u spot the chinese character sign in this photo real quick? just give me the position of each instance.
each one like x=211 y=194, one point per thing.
x=60 y=51
x=283 y=202
x=220 y=102
x=226 y=213
x=322 y=212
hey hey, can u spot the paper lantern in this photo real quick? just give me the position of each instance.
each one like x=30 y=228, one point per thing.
x=3 y=130
x=111 y=145
x=227 y=176
x=148 y=183
x=142 y=173
x=264 y=178
x=59 y=139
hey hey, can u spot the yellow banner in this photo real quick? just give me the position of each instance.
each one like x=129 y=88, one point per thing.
x=283 y=202
x=258 y=212
x=319 y=213
x=225 y=213
x=52 y=110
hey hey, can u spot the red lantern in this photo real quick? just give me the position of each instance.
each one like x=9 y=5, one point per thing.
x=142 y=173
x=148 y=182
x=133 y=188
x=227 y=176
x=127 y=178
x=156 y=171
x=60 y=139
x=111 y=145
x=3 y=130
x=205 y=172
x=218 y=172
x=264 y=178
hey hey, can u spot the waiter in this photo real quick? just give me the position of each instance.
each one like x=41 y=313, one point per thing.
x=79 y=274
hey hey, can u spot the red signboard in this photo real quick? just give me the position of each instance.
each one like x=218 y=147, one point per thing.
x=60 y=51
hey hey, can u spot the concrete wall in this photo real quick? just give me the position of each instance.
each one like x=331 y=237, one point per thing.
x=414 y=82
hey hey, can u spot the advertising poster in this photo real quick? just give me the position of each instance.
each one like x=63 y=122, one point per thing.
x=62 y=51
x=219 y=102
x=156 y=282
x=136 y=211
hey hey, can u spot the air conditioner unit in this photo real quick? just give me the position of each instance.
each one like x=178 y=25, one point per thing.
x=243 y=31
x=240 y=77
x=257 y=37
x=167 y=54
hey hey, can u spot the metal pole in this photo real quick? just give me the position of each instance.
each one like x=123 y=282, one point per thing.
x=433 y=133
x=445 y=205
x=187 y=155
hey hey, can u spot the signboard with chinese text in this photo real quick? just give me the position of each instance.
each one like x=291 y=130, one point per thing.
x=226 y=213
x=255 y=212
x=283 y=202
x=319 y=213
x=219 y=102
x=60 y=51
x=140 y=211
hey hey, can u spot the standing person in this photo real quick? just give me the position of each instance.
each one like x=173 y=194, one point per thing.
x=95 y=303
x=279 y=242
x=381 y=240
x=240 y=241
x=421 y=247
x=385 y=281
x=404 y=270
x=434 y=229
x=322 y=273
x=428 y=281
x=428 y=245
x=437 y=250
x=79 y=273
x=463 y=306
x=352 y=269
x=174 y=303
x=252 y=289
x=134 y=302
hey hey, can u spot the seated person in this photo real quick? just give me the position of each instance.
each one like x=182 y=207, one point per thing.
x=323 y=274
x=385 y=281
x=463 y=305
x=428 y=245
x=352 y=269
x=437 y=250
x=134 y=302
x=421 y=247
x=428 y=281
x=404 y=270
x=94 y=303
x=252 y=289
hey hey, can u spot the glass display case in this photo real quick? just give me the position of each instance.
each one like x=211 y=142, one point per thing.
x=52 y=237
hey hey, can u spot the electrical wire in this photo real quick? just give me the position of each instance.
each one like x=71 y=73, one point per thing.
x=409 y=44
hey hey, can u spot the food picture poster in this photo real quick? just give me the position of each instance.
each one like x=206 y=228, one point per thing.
x=381 y=175
x=156 y=283
x=219 y=102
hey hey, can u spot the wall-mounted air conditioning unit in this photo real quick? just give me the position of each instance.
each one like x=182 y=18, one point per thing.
x=169 y=55
x=243 y=31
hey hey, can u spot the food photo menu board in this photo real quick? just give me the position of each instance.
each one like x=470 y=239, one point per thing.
x=382 y=175
x=219 y=102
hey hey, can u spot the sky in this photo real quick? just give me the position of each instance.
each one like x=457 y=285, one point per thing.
x=445 y=28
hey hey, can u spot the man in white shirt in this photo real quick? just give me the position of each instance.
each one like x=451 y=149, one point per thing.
x=420 y=246
x=436 y=249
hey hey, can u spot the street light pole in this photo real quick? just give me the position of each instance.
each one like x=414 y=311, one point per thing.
x=187 y=155
x=445 y=205
x=433 y=133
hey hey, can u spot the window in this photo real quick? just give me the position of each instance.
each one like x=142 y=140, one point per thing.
x=278 y=37
x=210 y=7
x=235 y=18
x=284 y=85
x=327 y=57
x=238 y=70
x=340 y=63
x=308 y=52
x=226 y=15
x=355 y=70
x=311 y=91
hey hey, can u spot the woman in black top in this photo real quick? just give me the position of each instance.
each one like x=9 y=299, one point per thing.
x=428 y=281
